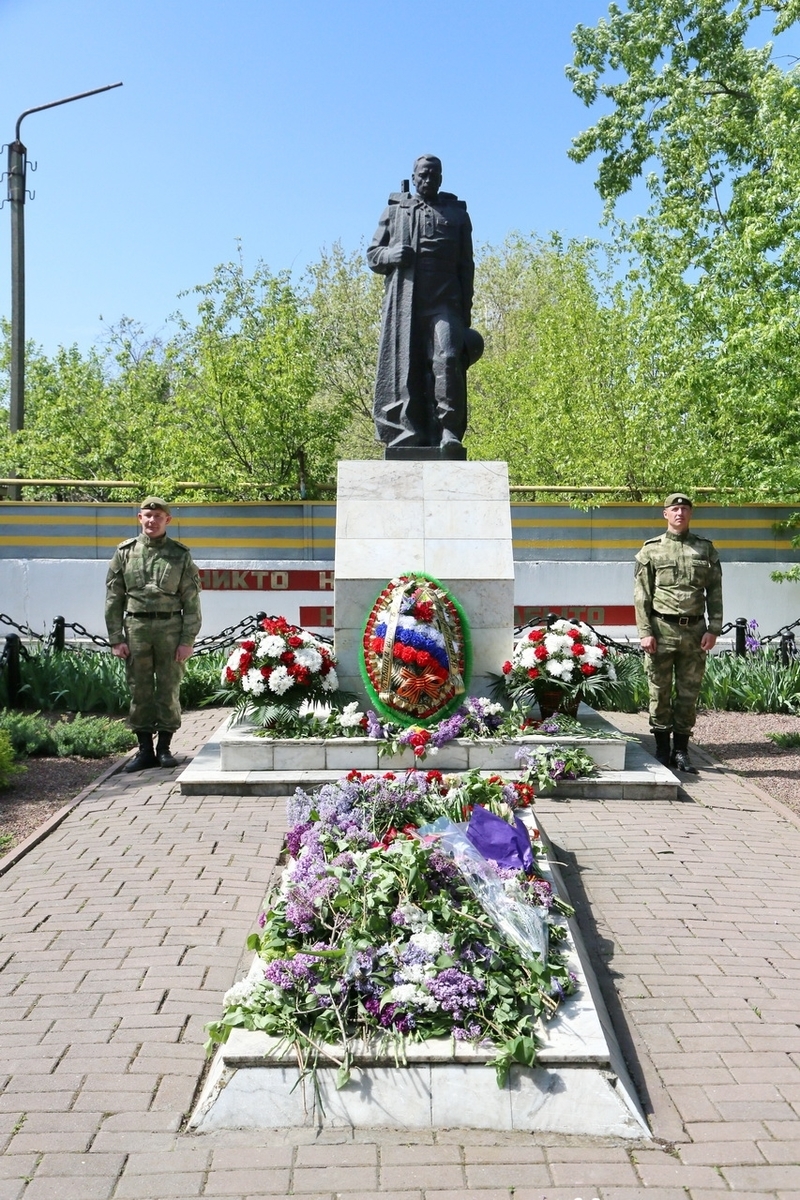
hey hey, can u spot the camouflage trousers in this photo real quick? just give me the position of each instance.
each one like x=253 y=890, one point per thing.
x=675 y=675
x=154 y=678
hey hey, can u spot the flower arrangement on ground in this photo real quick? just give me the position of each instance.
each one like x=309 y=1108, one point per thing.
x=375 y=930
x=281 y=664
x=415 y=659
x=566 y=656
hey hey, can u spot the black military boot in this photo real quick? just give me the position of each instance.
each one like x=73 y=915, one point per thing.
x=680 y=754
x=144 y=757
x=163 y=753
x=662 y=746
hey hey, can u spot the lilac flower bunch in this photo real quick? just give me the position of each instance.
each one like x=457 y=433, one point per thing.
x=373 y=930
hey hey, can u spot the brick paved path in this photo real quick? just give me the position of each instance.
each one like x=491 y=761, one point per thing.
x=121 y=930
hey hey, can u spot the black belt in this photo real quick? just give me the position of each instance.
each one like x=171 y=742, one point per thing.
x=157 y=616
x=674 y=619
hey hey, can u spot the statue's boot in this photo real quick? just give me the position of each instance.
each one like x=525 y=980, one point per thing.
x=144 y=757
x=163 y=753
x=680 y=754
x=662 y=746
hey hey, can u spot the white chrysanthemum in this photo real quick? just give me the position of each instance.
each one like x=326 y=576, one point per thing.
x=254 y=682
x=309 y=657
x=331 y=681
x=383 y=617
x=409 y=994
x=556 y=643
x=527 y=657
x=430 y=942
x=558 y=669
x=350 y=716
x=406 y=621
x=307 y=638
x=560 y=626
x=280 y=681
x=270 y=645
x=593 y=655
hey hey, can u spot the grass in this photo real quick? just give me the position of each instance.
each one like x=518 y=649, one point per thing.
x=756 y=683
x=88 y=681
x=785 y=741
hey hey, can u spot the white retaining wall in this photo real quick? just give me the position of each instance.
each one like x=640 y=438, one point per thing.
x=34 y=591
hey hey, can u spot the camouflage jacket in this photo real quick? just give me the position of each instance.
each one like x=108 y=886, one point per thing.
x=680 y=575
x=152 y=575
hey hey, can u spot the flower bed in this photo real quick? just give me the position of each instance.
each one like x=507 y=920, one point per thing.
x=324 y=743
x=390 y=920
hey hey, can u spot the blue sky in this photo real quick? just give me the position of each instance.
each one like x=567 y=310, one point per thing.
x=283 y=123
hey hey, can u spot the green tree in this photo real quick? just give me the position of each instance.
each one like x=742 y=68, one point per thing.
x=709 y=122
x=246 y=404
x=568 y=390
x=89 y=416
x=344 y=301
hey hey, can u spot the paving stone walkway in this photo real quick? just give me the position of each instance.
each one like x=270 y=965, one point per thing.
x=120 y=931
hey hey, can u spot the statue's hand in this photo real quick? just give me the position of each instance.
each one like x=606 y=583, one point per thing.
x=401 y=256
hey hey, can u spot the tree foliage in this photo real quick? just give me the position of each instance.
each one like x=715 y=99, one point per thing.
x=709 y=122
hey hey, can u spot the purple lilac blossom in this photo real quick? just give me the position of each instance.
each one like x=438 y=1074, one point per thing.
x=452 y=727
x=455 y=991
x=374 y=727
x=294 y=838
x=286 y=972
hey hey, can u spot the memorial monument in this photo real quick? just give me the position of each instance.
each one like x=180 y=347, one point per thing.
x=425 y=510
x=423 y=246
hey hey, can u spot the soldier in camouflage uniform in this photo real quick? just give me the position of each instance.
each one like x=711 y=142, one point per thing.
x=153 y=617
x=678 y=580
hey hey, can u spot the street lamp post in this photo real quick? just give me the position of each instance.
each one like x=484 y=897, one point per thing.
x=17 y=171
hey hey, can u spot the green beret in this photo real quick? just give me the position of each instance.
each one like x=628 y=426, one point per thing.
x=155 y=502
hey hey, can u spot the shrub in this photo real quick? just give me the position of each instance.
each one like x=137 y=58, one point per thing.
x=92 y=737
x=30 y=733
x=8 y=768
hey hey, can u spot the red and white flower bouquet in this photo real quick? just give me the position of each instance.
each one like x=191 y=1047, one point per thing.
x=567 y=657
x=281 y=664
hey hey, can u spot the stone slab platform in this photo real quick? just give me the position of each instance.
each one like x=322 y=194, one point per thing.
x=580 y=1084
x=642 y=778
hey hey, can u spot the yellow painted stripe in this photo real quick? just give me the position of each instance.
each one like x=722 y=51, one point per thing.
x=185 y=522
x=633 y=523
x=238 y=543
x=633 y=544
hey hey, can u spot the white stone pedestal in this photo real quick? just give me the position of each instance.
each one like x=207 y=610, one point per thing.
x=451 y=520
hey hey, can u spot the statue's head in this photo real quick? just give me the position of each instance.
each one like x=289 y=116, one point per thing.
x=427 y=176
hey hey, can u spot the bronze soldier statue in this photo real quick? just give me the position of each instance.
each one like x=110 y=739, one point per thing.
x=423 y=245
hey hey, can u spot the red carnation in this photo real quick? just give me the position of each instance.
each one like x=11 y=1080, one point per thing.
x=541 y=653
x=287 y=658
x=230 y=675
x=423 y=658
x=408 y=654
x=588 y=669
x=376 y=645
x=424 y=611
x=266 y=672
x=507 y=667
x=244 y=662
x=536 y=635
x=573 y=633
x=295 y=642
x=533 y=672
x=248 y=645
x=578 y=649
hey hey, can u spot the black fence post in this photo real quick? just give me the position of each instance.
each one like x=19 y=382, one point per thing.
x=13 y=672
x=59 y=633
x=740 y=642
x=788 y=649
x=260 y=616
